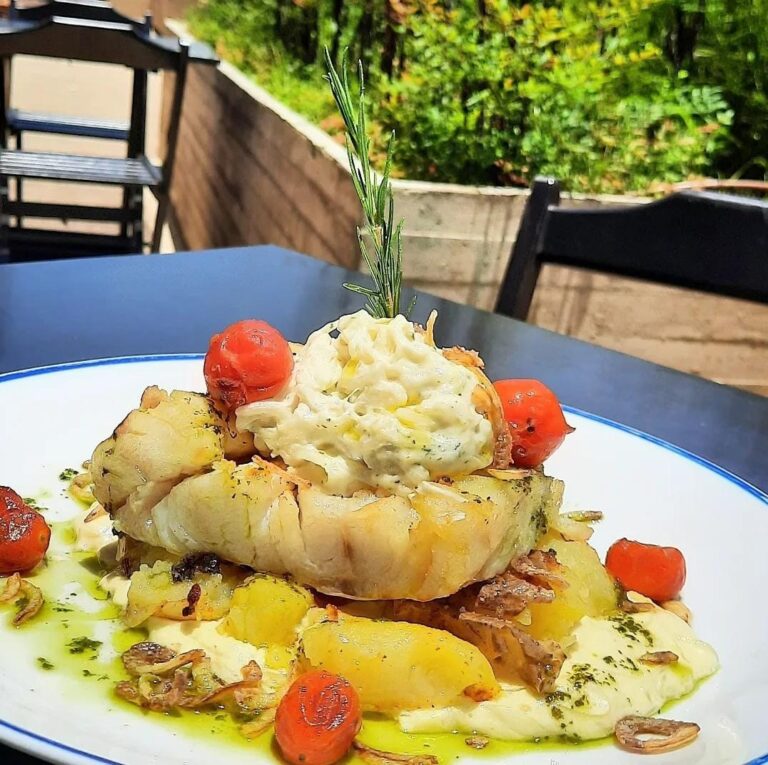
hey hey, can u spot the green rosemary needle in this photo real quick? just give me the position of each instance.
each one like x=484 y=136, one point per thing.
x=375 y=193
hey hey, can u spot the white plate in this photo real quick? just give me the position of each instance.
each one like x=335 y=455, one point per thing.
x=52 y=418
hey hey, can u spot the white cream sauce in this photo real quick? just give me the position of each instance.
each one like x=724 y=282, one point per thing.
x=601 y=681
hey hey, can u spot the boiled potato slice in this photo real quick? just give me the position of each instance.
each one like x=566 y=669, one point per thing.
x=267 y=610
x=396 y=665
x=154 y=593
x=591 y=591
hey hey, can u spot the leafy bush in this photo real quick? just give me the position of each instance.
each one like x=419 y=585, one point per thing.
x=608 y=95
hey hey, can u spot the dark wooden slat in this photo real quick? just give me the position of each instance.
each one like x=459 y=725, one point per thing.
x=711 y=242
x=84 y=40
x=67 y=212
x=95 y=10
x=40 y=244
x=75 y=168
x=52 y=123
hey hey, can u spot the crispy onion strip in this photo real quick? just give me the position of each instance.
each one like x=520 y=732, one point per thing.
x=542 y=568
x=151 y=658
x=659 y=657
x=154 y=693
x=95 y=512
x=12 y=588
x=678 y=608
x=239 y=690
x=163 y=668
x=34 y=603
x=585 y=516
x=283 y=472
x=670 y=734
x=17 y=588
x=477 y=742
x=377 y=757
x=192 y=684
x=633 y=606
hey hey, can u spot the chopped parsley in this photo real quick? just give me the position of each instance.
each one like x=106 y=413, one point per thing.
x=630 y=628
x=539 y=522
x=44 y=663
x=581 y=674
x=68 y=474
x=82 y=644
x=34 y=504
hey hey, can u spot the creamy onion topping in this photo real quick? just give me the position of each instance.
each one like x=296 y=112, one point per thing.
x=372 y=403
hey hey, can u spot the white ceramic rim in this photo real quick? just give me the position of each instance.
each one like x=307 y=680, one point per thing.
x=38 y=744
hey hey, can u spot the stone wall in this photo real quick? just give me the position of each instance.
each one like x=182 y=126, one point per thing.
x=250 y=171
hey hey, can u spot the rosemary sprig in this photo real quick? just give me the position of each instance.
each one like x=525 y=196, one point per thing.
x=375 y=194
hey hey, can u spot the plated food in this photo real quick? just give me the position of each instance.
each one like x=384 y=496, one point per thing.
x=465 y=602
x=362 y=524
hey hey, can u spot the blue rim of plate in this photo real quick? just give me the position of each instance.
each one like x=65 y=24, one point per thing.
x=34 y=372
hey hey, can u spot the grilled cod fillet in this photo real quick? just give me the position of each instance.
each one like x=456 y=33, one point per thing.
x=163 y=478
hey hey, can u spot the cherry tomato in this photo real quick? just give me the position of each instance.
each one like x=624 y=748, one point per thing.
x=535 y=420
x=317 y=719
x=653 y=571
x=10 y=500
x=24 y=534
x=248 y=361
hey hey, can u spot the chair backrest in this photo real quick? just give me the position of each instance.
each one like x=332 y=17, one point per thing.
x=90 y=40
x=92 y=10
x=712 y=242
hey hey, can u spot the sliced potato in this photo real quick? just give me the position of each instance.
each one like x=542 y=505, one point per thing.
x=591 y=591
x=267 y=611
x=397 y=665
x=154 y=593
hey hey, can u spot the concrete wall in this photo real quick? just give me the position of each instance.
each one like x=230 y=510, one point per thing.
x=251 y=171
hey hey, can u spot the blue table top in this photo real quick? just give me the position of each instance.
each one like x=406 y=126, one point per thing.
x=63 y=311
x=60 y=311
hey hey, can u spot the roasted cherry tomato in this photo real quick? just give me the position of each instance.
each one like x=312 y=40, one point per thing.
x=10 y=500
x=24 y=534
x=248 y=361
x=535 y=420
x=317 y=719
x=653 y=571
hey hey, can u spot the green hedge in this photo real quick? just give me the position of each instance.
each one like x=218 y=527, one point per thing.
x=608 y=95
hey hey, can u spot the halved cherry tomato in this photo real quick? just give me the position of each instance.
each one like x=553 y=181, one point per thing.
x=24 y=534
x=317 y=719
x=249 y=361
x=535 y=420
x=653 y=571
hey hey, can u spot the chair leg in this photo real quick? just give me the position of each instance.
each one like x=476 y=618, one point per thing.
x=19 y=186
x=5 y=250
x=138 y=214
x=133 y=229
x=519 y=281
x=162 y=212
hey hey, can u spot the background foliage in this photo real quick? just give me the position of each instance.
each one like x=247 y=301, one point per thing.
x=608 y=95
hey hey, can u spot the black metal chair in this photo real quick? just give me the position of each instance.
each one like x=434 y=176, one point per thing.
x=716 y=243
x=105 y=38
x=19 y=122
